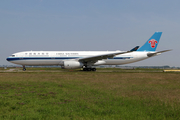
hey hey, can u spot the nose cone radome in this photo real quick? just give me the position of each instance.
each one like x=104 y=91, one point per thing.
x=8 y=59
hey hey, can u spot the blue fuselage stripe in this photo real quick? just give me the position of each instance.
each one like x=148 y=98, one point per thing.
x=52 y=58
x=39 y=58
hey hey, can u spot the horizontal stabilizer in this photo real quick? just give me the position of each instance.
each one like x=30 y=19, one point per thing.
x=156 y=53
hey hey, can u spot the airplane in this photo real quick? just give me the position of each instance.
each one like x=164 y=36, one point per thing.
x=135 y=48
x=87 y=59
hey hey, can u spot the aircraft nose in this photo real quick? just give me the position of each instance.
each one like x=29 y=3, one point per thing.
x=8 y=59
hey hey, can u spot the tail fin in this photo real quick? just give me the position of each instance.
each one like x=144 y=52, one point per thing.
x=135 y=48
x=152 y=43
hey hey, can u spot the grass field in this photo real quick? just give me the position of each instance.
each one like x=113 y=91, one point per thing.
x=106 y=94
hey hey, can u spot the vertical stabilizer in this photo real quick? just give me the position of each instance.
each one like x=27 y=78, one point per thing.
x=152 y=43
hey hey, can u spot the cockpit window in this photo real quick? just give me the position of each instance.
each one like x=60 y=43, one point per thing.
x=12 y=55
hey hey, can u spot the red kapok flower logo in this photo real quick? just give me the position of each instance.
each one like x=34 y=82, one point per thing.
x=153 y=43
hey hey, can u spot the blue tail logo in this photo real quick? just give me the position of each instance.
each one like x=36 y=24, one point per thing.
x=152 y=43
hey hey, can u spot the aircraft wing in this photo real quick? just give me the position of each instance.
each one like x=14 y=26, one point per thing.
x=100 y=57
x=156 y=53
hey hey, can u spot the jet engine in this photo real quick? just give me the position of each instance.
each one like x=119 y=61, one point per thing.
x=72 y=65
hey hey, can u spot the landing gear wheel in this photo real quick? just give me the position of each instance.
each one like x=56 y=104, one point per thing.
x=24 y=68
x=84 y=69
x=93 y=69
x=89 y=69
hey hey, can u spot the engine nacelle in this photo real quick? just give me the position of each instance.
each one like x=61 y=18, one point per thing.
x=72 y=65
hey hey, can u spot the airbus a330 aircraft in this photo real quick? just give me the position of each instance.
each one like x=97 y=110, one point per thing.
x=87 y=59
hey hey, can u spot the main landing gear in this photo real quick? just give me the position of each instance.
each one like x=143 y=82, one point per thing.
x=89 y=69
x=24 y=68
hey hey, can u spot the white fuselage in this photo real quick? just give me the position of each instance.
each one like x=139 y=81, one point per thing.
x=57 y=57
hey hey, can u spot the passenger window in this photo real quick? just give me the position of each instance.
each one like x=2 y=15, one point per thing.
x=30 y=53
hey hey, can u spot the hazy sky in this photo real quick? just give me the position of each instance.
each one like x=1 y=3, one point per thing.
x=89 y=25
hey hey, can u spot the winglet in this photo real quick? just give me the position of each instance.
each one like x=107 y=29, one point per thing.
x=152 y=43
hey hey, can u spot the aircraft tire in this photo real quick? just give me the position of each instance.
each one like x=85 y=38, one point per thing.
x=93 y=69
x=84 y=69
x=89 y=69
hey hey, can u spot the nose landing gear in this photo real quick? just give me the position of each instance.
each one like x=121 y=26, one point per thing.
x=24 y=68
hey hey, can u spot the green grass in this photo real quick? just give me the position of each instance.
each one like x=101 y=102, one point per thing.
x=89 y=95
x=58 y=69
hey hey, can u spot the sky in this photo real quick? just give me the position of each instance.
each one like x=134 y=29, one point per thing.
x=90 y=25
